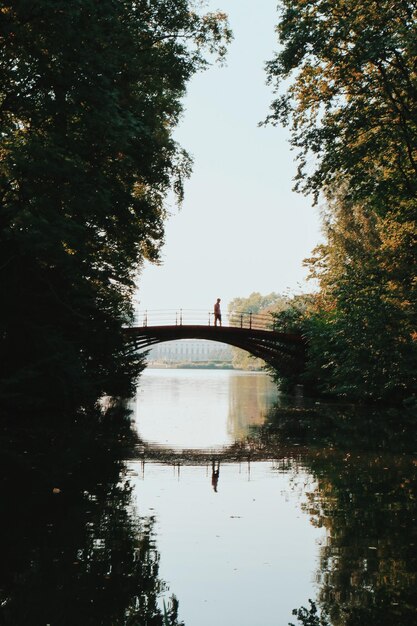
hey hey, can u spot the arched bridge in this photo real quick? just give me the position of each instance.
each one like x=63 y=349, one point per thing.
x=251 y=332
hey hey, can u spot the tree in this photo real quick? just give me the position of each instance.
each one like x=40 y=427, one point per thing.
x=89 y=96
x=359 y=333
x=352 y=98
x=256 y=304
x=351 y=102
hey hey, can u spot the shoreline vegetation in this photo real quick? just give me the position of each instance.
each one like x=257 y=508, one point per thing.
x=345 y=85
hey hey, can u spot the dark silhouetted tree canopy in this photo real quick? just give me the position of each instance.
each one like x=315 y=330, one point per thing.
x=89 y=95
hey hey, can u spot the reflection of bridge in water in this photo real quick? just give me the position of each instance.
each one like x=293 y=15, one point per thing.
x=249 y=331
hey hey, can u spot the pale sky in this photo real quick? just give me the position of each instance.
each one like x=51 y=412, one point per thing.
x=241 y=228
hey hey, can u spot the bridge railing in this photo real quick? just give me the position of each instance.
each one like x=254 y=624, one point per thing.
x=193 y=317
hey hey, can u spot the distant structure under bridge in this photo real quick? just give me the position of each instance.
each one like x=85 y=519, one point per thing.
x=192 y=351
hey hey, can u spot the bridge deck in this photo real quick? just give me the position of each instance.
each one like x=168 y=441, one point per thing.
x=214 y=333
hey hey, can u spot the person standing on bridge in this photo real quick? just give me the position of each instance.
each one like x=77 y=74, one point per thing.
x=217 y=313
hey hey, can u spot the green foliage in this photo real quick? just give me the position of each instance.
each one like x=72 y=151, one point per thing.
x=361 y=330
x=291 y=319
x=258 y=304
x=351 y=100
x=351 y=103
x=90 y=94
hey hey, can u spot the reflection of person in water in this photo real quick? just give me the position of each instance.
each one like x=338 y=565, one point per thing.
x=215 y=474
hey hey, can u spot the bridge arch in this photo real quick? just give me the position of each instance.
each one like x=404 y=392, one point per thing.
x=283 y=351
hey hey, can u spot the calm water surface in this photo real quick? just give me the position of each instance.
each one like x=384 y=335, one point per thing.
x=235 y=545
x=201 y=409
x=243 y=543
x=220 y=513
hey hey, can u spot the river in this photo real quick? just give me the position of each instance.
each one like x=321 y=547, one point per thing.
x=246 y=542
x=219 y=514
x=235 y=548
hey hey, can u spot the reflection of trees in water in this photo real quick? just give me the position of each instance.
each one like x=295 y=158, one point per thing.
x=366 y=478
x=250 y=398
x=80 y=555
x=368 y=567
